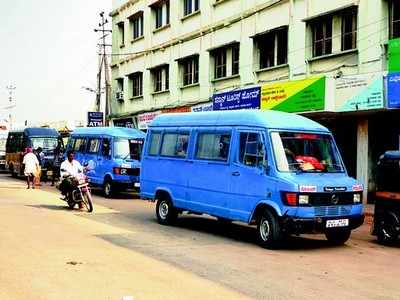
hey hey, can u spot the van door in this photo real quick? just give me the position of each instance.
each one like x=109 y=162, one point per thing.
x=104 y=163
x=92 y=159
x=209 y=180
x=249 y=182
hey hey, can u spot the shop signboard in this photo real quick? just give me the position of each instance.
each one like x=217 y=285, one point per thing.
x=181 y=109
x=393 y=90
x=95 y=119
x=394 y=55
x=127 y=122
x=294 y=96
x=145 y=119
x=203 y=107
x=241 y=99
x=359 y=92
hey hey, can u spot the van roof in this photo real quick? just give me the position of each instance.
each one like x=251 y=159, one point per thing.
x=37 y=131
x=267 y=119
x=113 y=131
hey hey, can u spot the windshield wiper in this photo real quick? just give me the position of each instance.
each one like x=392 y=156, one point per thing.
x=128 y=155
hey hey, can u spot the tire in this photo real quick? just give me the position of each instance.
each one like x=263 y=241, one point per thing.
x=388 y=228
x=338 y=236
x=108 y=188
x=165 y=211
x=269 y=231
x=87 y=200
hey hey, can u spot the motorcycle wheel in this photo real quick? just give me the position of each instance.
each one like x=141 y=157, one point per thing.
x=87 y=200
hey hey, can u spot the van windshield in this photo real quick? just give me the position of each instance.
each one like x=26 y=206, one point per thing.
x=305 y=152
x=128 y=148
x=46 y=143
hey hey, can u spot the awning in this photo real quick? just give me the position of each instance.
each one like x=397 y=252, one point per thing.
x=226 y=45
x=257 y=35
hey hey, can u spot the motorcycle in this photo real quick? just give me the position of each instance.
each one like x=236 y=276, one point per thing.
x=80 y=193
x=386 y=224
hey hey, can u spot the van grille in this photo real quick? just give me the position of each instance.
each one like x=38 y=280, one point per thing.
x=325 y=199
x=332 y=211
x=133 y=172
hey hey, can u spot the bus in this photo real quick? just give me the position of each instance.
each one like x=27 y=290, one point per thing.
x=47 y=139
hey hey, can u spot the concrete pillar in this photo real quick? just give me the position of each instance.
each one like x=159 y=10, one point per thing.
x=363 y=156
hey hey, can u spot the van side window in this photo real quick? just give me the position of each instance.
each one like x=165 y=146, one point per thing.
x=213 y=146
x=80 y=145
x=251 y=151
x=155 y=141
x=93 y=146
x=106 y=149
x=175 y=144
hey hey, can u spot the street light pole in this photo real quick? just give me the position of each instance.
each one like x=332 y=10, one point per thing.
x=10 y=89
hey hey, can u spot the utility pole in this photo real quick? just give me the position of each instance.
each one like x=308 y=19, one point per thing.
x=11 y=90
x=103 y=62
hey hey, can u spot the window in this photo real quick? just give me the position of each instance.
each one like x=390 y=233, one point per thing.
x=121 y=32
x=190 y=6
x=190 y=70
x=235 y=60
x=161 y=13
x=93 y=146
x=136 y=80
x=137 y=25
x=349 y=30
x=272 y=48
x=251 y=151
x=322 y=36
x=120 y=84
x=394 y=19
x=175 y=144
x=213 y=146
x=155 y=141
x=106 y=149
x=161 y=78
x=220 y=63
x=80 y=145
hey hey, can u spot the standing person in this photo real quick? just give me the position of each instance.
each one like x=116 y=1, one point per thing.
x=31 y=167
x=40 y=156
x=56 y=164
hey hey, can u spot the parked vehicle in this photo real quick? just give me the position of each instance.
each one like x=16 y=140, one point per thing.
x=81 y=193
x=386 y=224
x=280 y=171
x=47 y=139
x=113 y=155
x=3 y=140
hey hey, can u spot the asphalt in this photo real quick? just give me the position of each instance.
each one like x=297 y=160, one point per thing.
x=50 y=252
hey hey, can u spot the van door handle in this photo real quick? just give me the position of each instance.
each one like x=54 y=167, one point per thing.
x=236 y=173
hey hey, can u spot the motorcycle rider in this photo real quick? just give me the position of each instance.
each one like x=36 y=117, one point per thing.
x=69 y=169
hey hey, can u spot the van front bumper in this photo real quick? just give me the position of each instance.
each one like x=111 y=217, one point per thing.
x=294 y=225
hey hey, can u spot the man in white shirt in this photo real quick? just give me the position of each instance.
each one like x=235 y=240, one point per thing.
x=31 y=164
x=70 y=167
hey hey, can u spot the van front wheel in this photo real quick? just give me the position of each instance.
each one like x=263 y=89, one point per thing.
x=108 y=188
x=166 y=213
x=269 y=231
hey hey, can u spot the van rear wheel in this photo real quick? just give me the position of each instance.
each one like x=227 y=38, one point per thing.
x=165 y=211
x=269 y=231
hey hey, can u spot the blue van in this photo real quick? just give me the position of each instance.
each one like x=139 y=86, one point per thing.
x=113 y=155
x=280 y=171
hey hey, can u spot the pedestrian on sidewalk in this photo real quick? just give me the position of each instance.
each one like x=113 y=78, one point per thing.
x=31 y=164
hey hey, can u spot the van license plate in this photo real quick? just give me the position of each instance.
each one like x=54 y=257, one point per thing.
x=137 y=184
x=337 y=223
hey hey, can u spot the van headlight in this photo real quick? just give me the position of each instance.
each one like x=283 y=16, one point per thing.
x=303 y=199
x=357 y=198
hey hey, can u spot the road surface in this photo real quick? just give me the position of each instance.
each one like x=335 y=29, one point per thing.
x=50 y=252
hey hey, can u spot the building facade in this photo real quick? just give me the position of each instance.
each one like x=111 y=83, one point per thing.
x=333 y=61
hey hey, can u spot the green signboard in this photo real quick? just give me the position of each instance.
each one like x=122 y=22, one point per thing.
x=394 y=55
x=294 y=96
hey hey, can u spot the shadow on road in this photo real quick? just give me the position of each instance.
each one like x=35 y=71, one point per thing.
x=51 y=207
x=117 y=196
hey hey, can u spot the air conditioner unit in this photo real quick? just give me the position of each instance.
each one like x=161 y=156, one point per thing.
x=119 y=95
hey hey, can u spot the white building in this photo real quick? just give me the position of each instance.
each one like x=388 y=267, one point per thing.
x=171 y=55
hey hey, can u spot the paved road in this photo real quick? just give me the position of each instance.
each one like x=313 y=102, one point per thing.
x=197 y=258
